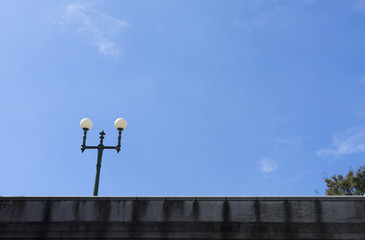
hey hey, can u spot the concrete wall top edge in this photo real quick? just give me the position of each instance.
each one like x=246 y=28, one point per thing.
x=186 y=198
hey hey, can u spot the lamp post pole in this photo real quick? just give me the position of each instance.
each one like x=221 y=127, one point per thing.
x=98 y=164
x=86 y=124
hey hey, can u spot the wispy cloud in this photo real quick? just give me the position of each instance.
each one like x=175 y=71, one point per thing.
x=267 y=165
x=359 y=5
x=270 y=16
x=309 y=1
x=100 y=28
x=349 y=142
x=362 y=79
x=360 y=114
x=291 y=141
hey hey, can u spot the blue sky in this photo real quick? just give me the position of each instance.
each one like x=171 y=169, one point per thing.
x=221 y=97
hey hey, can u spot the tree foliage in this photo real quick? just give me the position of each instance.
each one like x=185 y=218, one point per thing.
x=352 y=184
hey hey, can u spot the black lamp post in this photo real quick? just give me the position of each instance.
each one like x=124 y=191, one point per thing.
x=86 y=124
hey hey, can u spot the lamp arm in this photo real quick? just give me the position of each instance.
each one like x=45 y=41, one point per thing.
x=83 y=146
x=119 y=139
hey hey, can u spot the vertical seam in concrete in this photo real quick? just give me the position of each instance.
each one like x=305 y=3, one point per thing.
x=318 y=215
x=196 y=210
x=288 y=217
x=227 y=226
x=46 y=218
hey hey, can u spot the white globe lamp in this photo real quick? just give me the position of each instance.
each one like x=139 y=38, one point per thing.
x=86 y=124
x=120 y=123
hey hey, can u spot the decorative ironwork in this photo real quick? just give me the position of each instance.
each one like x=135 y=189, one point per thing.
x=100 y=148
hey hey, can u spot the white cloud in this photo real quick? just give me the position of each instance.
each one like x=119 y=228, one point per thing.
x=100 y=28
x=349 y=142
x=267 y=165
x=108 y=48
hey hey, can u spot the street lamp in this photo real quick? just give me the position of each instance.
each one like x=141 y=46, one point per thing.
x=86 y=124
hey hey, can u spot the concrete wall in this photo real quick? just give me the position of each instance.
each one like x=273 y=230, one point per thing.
x=182 y=218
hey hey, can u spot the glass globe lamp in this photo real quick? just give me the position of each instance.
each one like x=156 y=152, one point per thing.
x=120 y=123
x=86 y=124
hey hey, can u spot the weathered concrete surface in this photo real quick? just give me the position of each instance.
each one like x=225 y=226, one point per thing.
x=182 y=218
